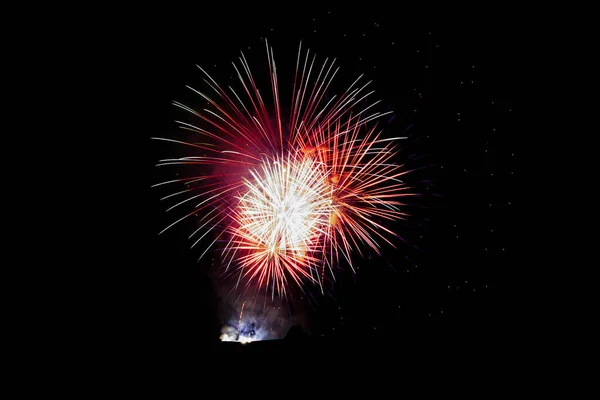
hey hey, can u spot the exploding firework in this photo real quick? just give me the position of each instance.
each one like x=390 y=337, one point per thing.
x=280 y=220
x=289 y=196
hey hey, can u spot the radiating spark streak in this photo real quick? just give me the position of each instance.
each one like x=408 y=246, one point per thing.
x=195 y=197
x=219 y=127
x=391 y=139
x=179 y=220
x=177 y=180
x=177 y=193
x=202 y=226
x=179 y=141
x=208 y=230
x=210 y=246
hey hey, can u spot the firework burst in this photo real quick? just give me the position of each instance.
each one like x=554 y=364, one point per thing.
x=289 y=197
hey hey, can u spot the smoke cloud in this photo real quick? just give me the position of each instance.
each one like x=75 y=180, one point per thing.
x=257 y=317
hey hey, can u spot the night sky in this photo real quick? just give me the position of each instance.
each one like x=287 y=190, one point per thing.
x=451 y=90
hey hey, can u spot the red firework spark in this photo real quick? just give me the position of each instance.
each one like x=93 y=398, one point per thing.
x=298 y=196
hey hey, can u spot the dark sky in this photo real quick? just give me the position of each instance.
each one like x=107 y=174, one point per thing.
x=452 y=85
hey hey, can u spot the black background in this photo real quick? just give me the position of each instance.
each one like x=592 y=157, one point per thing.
x=451 y=88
